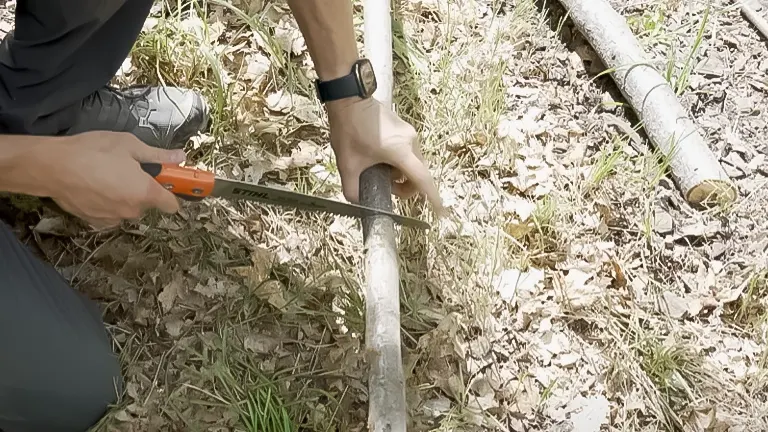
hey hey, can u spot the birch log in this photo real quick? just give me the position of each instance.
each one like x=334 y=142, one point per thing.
x=752 y=11
x=386 y=382
x=693 y=165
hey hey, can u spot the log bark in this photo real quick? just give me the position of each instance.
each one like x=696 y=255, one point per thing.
x=386 y=382
x=752 y=11
x=694 y=167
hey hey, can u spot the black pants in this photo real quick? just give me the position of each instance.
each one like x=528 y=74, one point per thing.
x=57 y=369
x=60 y=52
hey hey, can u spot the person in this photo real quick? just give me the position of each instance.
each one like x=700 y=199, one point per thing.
x=68 y=136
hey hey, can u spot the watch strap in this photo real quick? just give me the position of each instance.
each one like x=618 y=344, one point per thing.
x=338 y=88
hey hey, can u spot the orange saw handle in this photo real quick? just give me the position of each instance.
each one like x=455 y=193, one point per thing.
x=190 y=184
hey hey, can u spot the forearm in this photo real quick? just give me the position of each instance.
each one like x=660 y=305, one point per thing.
x=20 y=167
x=330 y=35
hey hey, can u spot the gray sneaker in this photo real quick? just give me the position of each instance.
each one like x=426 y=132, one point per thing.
x=164 y=117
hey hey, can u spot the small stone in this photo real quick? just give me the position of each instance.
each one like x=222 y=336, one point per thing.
x=744 y=104
x=712 y=65
x=663 y=223
x=676 y=305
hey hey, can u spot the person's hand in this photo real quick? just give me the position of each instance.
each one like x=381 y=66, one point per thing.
x=96 y=176
x=365 y=133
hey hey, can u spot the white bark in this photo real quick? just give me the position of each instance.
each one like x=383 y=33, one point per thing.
x=752 y=10
x=693 y=165
x=386 y=382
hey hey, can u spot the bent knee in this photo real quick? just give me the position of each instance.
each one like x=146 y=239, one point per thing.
x=74 y=402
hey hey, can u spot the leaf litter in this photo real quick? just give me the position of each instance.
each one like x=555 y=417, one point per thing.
x=569 y=289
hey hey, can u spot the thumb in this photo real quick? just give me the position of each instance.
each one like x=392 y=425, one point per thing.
x=144 y=153
x=161 y=198
x=350 y=184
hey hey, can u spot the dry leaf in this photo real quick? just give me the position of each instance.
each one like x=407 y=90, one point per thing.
x=483 y=403
x=216 y=288
x=566 y=360
x=258 y=66
x=522 y=207
x=436 y=407
x=579 y=293
x=306 y=154
x=300 y=106
x=260 y=344
x=594 y=413
x=54 y=226
x=171 y=292
x=676 y=306
x=173 y=326
x=289 y=37
x=512 y=282
x=272 y=292
x=619 y=280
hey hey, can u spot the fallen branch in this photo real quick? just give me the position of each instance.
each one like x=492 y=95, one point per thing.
x=386 y=383
x=693 y=165
x=755 y=18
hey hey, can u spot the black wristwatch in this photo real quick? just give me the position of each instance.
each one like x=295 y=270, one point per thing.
x=360 y=82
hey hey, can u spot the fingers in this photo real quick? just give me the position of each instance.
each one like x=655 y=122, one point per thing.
x=396 y=178
x=351 y=187
x=411 y=168
x=420 y=179
x=160 y=198
x=157 y=196
x=144 y=153
x=404 y=190
x=397 y=175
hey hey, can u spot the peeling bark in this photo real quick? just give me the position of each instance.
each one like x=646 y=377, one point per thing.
x=751 y=10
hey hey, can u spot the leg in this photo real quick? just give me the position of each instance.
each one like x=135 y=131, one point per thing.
x=59 y=53
x=57 y=370
x=55 y=66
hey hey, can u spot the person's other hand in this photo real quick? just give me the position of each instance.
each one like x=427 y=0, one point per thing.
x=96 y=176
x=365 y=133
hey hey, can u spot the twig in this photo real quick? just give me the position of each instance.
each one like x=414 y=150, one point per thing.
x=693 y=165
x=386 y=383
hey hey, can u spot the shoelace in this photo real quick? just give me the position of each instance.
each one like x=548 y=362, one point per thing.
x=115 y=102
x=126 y=92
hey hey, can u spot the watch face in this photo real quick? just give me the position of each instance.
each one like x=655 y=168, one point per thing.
x=367 y=78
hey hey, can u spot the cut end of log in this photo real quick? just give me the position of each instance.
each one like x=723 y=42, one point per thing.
x=711 y=193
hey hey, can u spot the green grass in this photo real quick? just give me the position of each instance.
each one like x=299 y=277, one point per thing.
x=651 y=23
x=256 y=399
x=605 y=165
x=170 y=55
x=669 y=370
x=680 y=80
x=751 y=310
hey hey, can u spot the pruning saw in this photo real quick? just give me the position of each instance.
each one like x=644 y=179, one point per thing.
x=192 y=184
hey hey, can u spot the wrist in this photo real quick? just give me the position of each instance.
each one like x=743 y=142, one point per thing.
x=354 y=86
x=343 y=107
x=28 y=164
x=337 y=69
x=341 y=104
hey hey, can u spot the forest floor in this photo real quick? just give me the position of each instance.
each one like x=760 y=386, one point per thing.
x=571 y=288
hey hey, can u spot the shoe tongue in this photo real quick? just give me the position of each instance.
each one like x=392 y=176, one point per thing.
x=133 y=92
